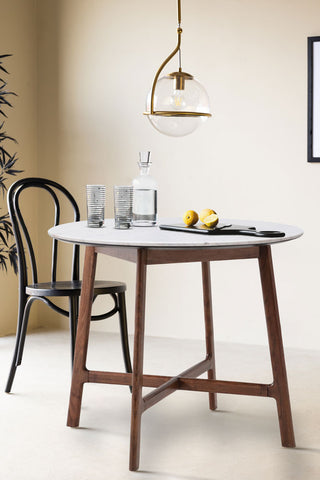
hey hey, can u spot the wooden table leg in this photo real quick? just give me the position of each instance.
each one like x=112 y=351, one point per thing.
x=137 y=375
x=79 y=375
x=280 y=385
x=207 y=303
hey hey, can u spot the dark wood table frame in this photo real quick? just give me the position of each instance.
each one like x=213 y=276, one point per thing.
x=187 y=380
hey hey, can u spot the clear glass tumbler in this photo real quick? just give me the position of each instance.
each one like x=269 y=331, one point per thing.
x=96 y=199
x=123 y=206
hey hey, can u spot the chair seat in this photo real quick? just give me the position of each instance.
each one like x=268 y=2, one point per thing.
x=73 y=288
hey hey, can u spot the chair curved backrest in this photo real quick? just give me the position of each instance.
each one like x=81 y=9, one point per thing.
x=21 y=233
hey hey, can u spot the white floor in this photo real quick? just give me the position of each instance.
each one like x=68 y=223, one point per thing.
x=181 y=438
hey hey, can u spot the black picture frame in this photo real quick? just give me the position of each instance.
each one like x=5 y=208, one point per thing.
x=314 y=99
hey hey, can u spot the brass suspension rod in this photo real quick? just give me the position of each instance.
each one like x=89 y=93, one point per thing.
x=179 y=13
x=179 y=32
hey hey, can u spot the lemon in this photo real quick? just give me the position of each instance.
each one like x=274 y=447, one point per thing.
x=211 y=220
x=190 y=218
x=205 y=213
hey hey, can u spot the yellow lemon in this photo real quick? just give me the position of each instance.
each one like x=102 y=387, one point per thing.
x=205 y=213
x=190 y=218
x=212 y=220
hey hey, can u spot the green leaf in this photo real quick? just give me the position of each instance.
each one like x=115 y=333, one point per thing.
x=3 y=264
x=3 y=239
x=13 y=257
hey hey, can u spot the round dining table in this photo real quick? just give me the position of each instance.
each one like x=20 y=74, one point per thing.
x=154 y=246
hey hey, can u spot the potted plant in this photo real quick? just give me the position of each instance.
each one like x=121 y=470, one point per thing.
x=8 y=252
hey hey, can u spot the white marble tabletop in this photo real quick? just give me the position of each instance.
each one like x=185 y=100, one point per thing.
x=80 y=233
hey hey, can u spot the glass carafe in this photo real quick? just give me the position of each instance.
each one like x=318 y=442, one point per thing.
x=144 y=194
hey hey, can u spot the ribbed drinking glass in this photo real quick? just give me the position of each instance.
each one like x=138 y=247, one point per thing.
x=96 y=199
x=123 y=195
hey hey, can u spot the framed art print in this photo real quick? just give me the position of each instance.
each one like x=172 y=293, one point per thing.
x=314 y=99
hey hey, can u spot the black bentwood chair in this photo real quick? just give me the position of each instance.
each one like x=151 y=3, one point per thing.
x=29 y=292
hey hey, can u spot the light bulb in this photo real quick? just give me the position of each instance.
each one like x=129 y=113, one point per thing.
x=177 y=100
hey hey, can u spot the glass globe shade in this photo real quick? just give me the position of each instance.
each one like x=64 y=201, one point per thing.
x=176 y=97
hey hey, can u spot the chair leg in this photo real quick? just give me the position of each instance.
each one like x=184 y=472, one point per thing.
x=73 y=319
x=16 y=348
x=23 y=316
x=24 y=328
x=124 y=332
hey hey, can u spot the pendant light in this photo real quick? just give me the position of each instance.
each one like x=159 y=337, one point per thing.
x=177 y=104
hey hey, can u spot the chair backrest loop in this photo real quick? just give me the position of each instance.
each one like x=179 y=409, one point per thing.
x=22 y=235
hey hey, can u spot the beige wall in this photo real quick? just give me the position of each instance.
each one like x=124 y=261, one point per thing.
x=96 y=63
x=18 y=36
